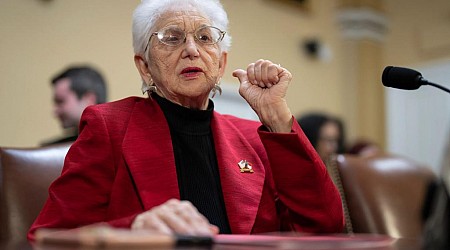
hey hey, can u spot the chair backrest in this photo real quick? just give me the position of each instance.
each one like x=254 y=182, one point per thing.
x=26 y=174
x=385 y=194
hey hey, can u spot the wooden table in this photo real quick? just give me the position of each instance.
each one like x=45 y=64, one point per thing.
x=255 y=242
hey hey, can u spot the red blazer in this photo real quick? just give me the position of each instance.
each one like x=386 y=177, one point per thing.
x=123 y=164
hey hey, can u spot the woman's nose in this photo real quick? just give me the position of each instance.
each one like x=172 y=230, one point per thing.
x=190 y=47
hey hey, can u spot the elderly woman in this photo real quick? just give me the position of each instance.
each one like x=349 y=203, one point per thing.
x=171 y=164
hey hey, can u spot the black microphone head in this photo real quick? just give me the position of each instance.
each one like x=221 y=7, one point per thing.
x=401 y=78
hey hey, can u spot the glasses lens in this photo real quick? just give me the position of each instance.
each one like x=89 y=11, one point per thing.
x=171 y=36
x=174 y=36
x=208 y=35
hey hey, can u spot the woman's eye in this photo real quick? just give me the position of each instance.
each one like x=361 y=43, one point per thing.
x=205 y=38
x=172 y=38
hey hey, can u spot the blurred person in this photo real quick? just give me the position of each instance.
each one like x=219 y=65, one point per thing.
x=170 y=164
x=74 y=89
x=326 y=133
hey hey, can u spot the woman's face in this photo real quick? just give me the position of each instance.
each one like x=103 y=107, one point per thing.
x=327 y=143
x=185 y=74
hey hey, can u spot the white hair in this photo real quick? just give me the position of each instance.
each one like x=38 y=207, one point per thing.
x=149 y=11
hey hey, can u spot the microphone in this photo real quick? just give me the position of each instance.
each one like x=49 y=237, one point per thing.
x=436 y=216
x=404 y=78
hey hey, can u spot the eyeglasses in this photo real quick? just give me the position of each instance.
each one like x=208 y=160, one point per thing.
x=174 y=36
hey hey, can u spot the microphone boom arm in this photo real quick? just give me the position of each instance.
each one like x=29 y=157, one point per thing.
x=425 y=82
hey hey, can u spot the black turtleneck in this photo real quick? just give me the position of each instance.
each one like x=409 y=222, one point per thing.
x=195 y=160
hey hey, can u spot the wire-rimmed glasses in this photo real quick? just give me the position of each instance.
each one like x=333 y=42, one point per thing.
x=174 y=36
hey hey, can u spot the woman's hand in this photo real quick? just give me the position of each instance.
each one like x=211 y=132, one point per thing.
x=175 y=217
x=264 y=87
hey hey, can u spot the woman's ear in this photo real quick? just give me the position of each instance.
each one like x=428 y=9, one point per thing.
x=142 y=67
x=222 y=63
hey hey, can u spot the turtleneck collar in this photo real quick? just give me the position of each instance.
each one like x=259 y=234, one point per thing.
x=186 y=120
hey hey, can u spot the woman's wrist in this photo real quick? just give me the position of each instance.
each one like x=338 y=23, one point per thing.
x=276 y=118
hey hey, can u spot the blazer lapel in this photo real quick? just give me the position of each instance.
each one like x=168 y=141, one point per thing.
x=148 y=152
x=241 y=191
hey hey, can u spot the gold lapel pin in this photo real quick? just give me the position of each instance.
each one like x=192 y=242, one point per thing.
x=245 y=167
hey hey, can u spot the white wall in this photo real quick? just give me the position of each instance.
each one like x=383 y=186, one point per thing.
x=418 y=121
x=231 y=102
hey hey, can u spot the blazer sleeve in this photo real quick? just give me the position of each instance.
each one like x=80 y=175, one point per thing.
x=309 y=200
x=80 y=196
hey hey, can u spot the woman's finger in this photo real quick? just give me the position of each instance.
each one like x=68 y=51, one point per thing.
x=150 y=221
x=258 y=73
x=264 y=73
x=175 y=222
x=196 y=222
x=251 y=74
x=175 y=217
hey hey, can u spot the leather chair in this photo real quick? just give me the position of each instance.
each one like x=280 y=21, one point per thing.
x=384 y=194
x=25 y=177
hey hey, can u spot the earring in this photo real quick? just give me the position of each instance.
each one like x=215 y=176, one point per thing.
x=216 y=88
x=149 y=87
x=152 y=88
x=144 y=87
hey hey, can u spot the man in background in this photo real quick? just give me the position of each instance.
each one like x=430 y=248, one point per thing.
x=74 y=89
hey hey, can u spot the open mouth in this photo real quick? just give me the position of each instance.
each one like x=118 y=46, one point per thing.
x=191 y=70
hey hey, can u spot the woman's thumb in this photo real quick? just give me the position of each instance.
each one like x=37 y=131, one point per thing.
x=241 y=75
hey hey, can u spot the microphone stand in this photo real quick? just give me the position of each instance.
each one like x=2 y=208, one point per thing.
x=438 y=86
x=437 y=212
x=425 y=82
x=436 y=205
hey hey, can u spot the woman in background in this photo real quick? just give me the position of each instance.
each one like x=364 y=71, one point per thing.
x=325 y=132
